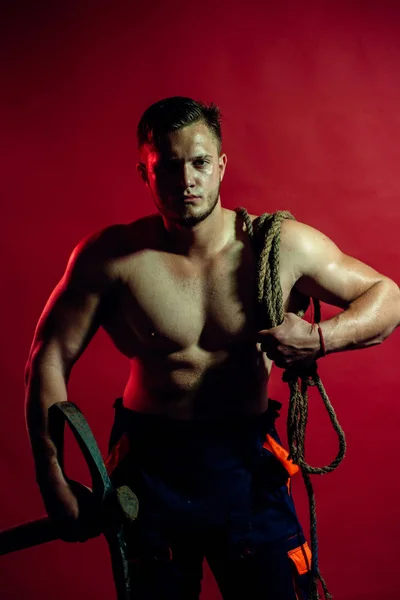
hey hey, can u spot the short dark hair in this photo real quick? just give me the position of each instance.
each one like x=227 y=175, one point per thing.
x=173 y=113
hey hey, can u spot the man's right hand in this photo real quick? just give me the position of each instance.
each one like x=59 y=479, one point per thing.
x=69 y=505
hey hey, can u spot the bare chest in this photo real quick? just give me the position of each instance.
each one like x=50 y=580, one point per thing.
x=183 y=304
x=166 y=302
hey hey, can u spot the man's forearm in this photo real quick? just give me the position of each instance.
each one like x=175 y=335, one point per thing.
x=46 y=385
x=368 y=321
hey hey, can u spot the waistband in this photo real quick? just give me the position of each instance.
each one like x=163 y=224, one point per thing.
x=214 y=444
x=219 y=425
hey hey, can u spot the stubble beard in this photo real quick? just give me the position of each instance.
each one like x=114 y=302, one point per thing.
x=189 y=220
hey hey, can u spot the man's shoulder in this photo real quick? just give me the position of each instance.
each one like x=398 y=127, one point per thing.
x=306 y=249
x=118 y=239
x=299 y=236
x=99 y=254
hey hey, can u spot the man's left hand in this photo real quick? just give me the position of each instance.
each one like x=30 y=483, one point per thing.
x=293 y=344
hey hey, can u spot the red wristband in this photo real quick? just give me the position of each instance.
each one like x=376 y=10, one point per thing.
x=321 y=340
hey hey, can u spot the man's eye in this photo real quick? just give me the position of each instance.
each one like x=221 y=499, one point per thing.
x=200 y=162
x=168 y=167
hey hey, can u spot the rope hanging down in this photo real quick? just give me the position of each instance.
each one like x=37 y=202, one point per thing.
x=265 y=234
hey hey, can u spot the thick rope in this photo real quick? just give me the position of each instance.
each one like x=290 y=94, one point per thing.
x=270 y=313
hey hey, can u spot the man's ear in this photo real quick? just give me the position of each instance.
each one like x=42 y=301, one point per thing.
x=142 y=171
x=223 y=159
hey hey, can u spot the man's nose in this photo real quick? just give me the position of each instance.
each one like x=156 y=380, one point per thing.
x=188 y=176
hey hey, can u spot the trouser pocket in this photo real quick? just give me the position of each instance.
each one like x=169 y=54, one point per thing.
x=300 y=558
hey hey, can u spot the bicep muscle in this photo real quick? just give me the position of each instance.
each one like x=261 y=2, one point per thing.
x=72 y=314
x=322 y=270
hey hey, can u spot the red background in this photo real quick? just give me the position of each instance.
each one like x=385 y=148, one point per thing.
x=311 y=104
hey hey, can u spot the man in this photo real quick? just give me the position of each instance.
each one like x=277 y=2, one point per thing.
x=176 y=293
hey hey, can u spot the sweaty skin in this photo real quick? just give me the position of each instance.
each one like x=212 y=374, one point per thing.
x=189 y=326
x=175 y=291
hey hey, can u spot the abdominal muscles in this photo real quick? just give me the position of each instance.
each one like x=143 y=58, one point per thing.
x=195 y=384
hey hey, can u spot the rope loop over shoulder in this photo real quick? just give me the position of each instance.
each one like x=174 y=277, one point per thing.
x=265 y=233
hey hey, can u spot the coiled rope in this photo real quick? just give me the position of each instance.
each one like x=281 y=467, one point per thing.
x=265 y=234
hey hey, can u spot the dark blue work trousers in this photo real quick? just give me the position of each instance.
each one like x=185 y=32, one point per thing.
x=208 y=490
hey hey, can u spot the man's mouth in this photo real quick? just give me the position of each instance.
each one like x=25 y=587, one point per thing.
x=190 y=198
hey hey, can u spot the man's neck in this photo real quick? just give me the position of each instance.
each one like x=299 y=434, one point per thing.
x=202 y=241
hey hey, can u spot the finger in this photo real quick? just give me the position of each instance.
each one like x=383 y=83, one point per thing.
x=271 y=353
x=276 y=357
x=269 y=346
x=266 y=333
x=281 y=363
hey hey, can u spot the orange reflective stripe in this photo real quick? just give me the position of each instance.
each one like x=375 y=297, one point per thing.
x=301 y=557
x=118 y=452
x=281 y=454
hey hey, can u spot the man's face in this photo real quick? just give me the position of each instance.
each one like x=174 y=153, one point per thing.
x=184 y=174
